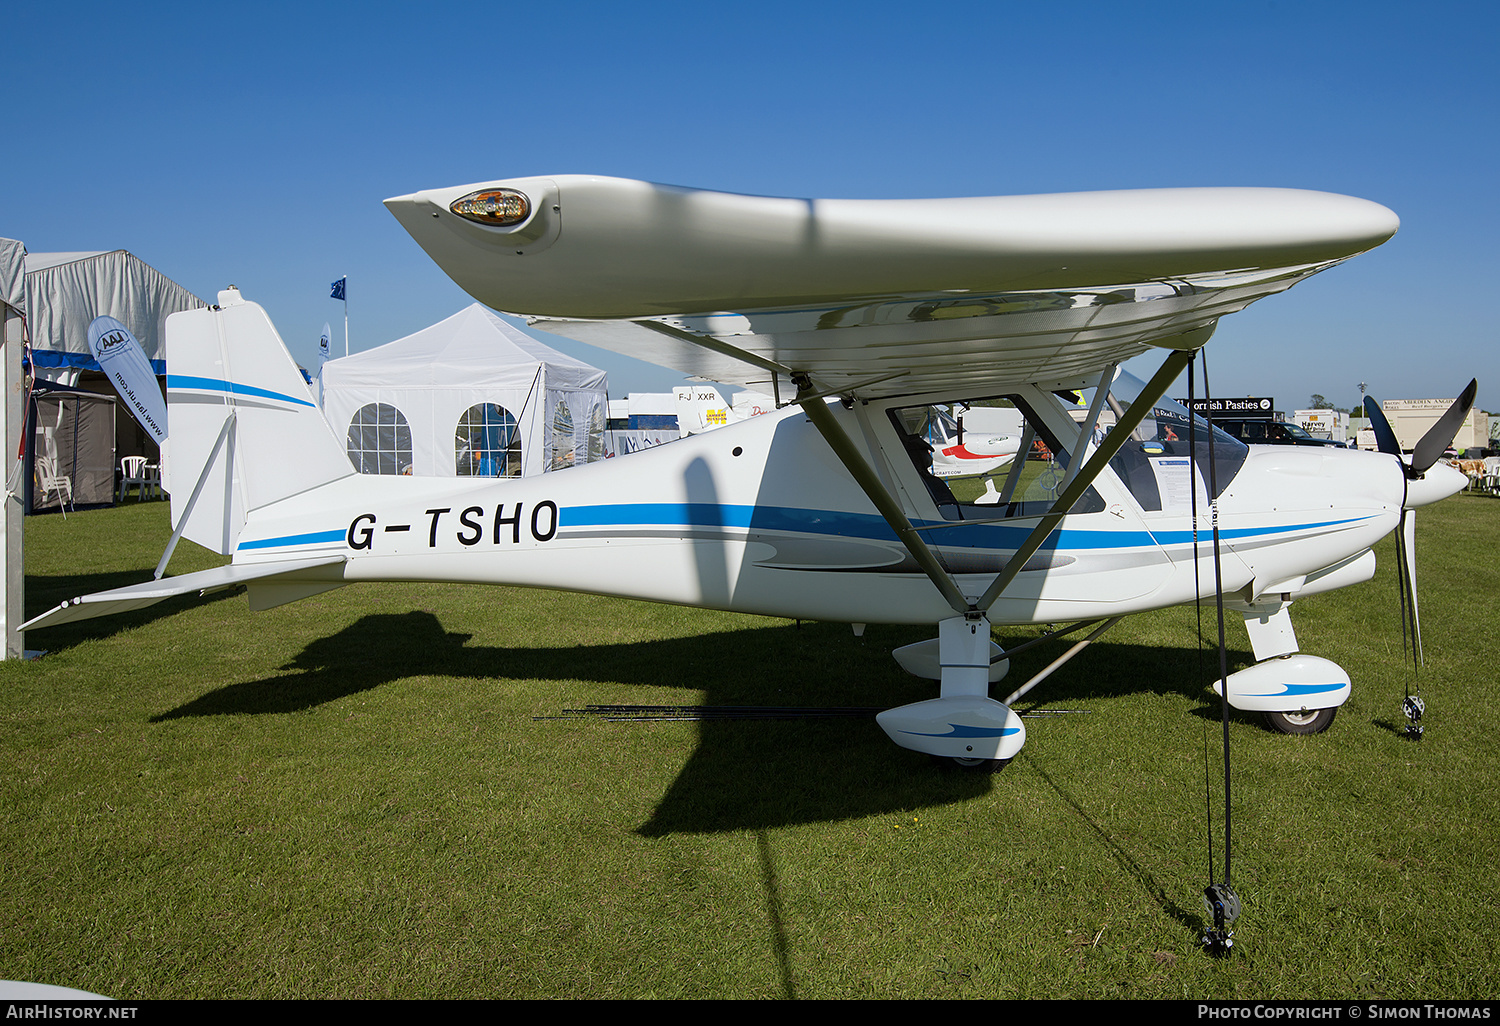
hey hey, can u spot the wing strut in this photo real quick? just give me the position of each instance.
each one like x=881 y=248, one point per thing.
x=865 y=476
x=1086 y=429
x=1060 y=661
x=910 y=536
x=1018 y=465
x=1177 y=359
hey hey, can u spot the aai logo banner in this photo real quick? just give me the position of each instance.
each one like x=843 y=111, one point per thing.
x=124 y=362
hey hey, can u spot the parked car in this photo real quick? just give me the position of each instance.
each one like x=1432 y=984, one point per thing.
x=1271 y=432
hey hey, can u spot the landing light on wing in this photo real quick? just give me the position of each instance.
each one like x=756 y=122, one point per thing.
x=501 y=207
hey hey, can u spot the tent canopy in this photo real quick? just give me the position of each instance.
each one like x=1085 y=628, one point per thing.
x=66 y=291
x=13 y=274
x=470 y=395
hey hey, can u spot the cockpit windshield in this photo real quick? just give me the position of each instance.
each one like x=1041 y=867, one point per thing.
x=1169 y=456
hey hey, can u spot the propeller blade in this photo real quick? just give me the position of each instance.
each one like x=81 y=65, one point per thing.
x=1385 y=438
x=1440 y=435
x=1409 y=567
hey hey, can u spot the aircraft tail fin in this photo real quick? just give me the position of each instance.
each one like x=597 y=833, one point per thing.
x=700 y=408
x=244 y=430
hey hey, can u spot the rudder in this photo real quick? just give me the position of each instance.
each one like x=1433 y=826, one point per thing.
x=245 y=431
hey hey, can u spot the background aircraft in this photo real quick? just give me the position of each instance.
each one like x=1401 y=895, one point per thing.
x=963 y=446
x=700 y=407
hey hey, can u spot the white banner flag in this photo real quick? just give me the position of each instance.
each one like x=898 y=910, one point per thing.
x=124 y=362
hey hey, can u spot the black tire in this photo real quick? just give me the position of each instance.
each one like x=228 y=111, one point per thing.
x=977 y=765
x=1313 y=721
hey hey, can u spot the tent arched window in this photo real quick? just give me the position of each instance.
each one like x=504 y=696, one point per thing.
x=487 y=443
x=562 y=436
x=595 y=442
x=379 y=440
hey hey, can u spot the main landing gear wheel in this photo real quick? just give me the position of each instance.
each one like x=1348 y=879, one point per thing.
x=1309 y=721
x=973 y=765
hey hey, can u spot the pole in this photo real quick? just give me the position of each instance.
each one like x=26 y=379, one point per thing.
x=12 y=508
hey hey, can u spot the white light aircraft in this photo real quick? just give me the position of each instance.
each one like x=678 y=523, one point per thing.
x=861 y=318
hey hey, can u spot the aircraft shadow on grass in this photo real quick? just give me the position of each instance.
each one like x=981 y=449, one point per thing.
x=743 y=774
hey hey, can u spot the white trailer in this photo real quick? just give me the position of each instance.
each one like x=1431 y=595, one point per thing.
x=1410 y=419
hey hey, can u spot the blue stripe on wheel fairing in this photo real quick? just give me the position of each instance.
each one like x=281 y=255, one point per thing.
x=1296 y=691
x=966 y=730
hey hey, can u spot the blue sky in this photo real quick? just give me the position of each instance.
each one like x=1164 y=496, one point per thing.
x=253 y=143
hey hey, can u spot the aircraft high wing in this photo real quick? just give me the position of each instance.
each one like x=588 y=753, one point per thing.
x=864 y=319
x=923 y=295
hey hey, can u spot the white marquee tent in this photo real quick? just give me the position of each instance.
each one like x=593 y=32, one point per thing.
x=470 y=396
x=66 y=291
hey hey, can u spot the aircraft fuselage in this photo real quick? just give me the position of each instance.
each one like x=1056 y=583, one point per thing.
x=760 y=517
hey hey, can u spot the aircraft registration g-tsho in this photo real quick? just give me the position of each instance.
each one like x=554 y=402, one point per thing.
x=865 y=320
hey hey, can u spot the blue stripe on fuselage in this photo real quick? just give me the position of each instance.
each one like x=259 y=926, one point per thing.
x=311 y=538
x=837 y=524
x=866 y=525
x=1186 y=537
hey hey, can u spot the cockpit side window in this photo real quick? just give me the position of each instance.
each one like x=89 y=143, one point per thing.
x=987 y=459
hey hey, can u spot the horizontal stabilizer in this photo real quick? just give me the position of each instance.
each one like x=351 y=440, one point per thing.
x=324 y=570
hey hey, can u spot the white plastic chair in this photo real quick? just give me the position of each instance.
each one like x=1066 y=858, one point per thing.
x=1491 y=480
x=52 y=482
x=133 y=472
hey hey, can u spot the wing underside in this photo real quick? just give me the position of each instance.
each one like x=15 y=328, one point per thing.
x=911 y=345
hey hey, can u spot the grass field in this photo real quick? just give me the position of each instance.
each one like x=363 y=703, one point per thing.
x=364 y=795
